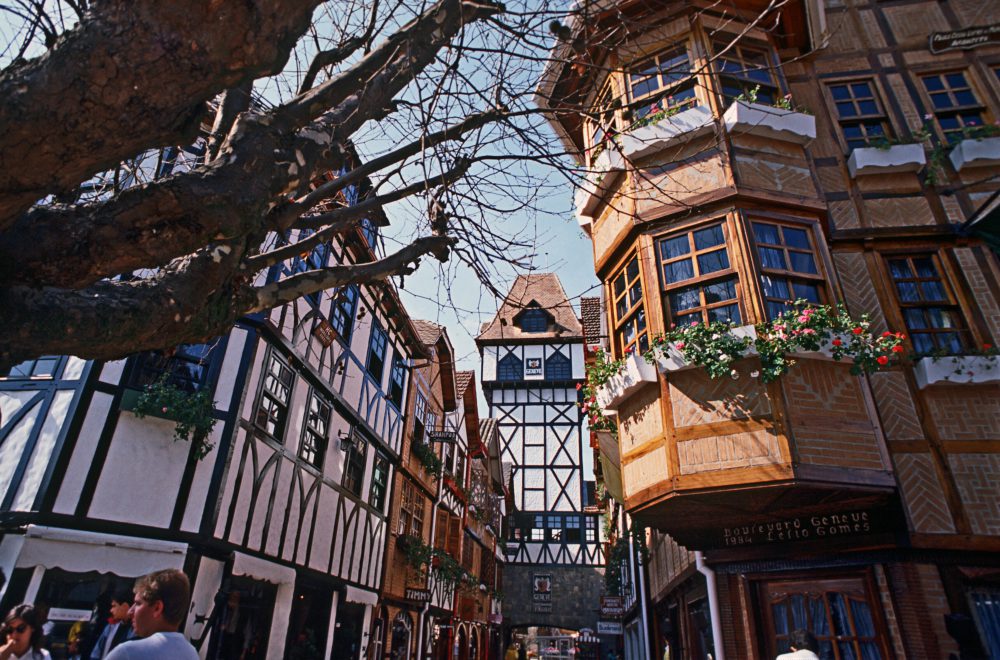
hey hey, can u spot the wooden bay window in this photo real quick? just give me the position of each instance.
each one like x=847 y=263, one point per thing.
x=699 y=281
x=628 y=310
x=742 y=68
x=664 y=80
x=788 y=264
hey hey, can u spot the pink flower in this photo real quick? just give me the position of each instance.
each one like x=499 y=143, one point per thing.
x=803 y=319
x=679 y=345
x=164 y=409
x=694 y=323
x=808 y=331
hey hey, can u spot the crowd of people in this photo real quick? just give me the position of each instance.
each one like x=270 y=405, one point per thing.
x=143 y=624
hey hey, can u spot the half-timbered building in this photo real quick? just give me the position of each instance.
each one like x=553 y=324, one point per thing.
x=282 y=524
x=739 y=158
x=532 y=364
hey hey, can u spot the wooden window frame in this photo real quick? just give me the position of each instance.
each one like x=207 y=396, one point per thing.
x=951 y=302
x=315 y=436
x=861 y=119
x=638 y=106
x=954 y=135
x=735 y=52
x=699 y=280
x=602 y=122
x=419 y=414
x=558 y=367
x=378 y=490
x=354 y=465
x=787 y=275
x=411 y=510
x=622 y=321
x=378 y=351
x=342 y=310
x=502 y=366
x=397 y=380
x=277 y=411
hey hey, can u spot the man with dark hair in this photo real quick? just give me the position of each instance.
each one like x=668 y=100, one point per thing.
x=119 y=627
x=158 y=609
x=803 y=645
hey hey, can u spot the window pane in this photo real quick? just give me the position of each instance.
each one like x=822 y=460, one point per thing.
x=796 y=238
x=956 y=80
x=774 y=287
x=914 y=319
x=725 y=313
x=772 y=258
x=684 y=299
x=766 y=233
x=933 y=291
x=706 y=238
x=950 y=342
x=802 y=262
x=908 y=291
x=635 y=293
x=922 y=343
x=933 y=83
x=900 y=268
x=678 y=271
x=861 y=89
x=808 y=291
x=713 y=261
x=674 y=247
x=846 y=109
x=719 y=291
x=925 y=268
x=840 y=92
x=868 y=108
x=632 y=270
x=619 y=285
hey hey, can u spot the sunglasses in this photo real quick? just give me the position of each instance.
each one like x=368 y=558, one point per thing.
x=19 y=629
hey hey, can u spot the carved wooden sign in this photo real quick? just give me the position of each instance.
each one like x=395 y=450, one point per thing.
x=418 y=595
x=973 y=37
x=325 y=333
x=819 y=527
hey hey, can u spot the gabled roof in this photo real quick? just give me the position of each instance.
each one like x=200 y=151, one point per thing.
x=543 y=290
x=590 y=311
x=428 y=332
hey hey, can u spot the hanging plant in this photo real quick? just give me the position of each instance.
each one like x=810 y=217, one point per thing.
x=193 y=412
x=447 y=570
x=599 y=371
x=428 y=458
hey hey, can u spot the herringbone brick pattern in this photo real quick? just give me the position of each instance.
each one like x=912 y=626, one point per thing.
x=922 y=494
x=911 y=25
x=844 y=215
x=828 y=417
x=978 y=479
x=889 y=610
x=966 y=413
x=761 y=174
x=858 y=289
x=898 y=212
x=895 y=406
x=697 y=399
x=723 y=452
x=980 y=289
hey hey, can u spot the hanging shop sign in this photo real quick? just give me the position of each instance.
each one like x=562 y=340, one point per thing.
x=418 y=595
x=965 y=39
x=541 y=592
x=325 y=333
x=609 y=628
x=533 y=367
x=612 y=607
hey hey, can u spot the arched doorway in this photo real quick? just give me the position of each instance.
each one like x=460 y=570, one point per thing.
x=402 y=628
x=474 y=644
x=463 y=643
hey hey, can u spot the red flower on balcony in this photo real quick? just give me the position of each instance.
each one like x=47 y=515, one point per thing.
x=882 y=359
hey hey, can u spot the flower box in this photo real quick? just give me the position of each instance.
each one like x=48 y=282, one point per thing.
x=635 y=373
x=130 y=399
x=768 y=122
x=825 y=351
x=975 y=153
x=670 y=358
x=668 y=132
x=975 y=369
x=897 y=158
x=604 y=173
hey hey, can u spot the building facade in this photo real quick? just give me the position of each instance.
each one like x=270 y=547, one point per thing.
x=738 y=159
x=532 y=363
x=280 y=517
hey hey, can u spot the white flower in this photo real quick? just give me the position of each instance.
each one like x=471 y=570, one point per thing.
x=754 y=373
x=735 y=375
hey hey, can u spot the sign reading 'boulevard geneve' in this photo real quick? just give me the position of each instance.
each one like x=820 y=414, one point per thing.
x=820 y=527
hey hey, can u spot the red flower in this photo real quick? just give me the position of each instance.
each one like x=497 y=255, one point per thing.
x=987 y=347
x=837 y=342
x=858 y=331
x=897 y=349
x=579 y=386
x=886 y=334
x=882 y=359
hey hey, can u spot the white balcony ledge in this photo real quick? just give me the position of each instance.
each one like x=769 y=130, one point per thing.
x=768 y=122
x=897 y=158
x=602 y=177
x=634 y=374
x=975 y=153
x=667 y=132
x=971 y=369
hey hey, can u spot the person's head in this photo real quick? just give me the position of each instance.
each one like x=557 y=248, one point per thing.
x=802 y=640
x=23 y=625
x=160 y=603
x=121 y=603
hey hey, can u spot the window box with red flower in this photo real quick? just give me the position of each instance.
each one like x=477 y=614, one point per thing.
x=978 y=369
x=633 y=374
x=770 y=122
x=666 y=128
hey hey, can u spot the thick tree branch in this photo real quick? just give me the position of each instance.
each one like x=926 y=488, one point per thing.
x=140 y=74
x=402 y=262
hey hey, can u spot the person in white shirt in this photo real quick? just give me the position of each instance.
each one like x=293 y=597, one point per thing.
x=803 y=645
x=158 y=609
x=23 y=628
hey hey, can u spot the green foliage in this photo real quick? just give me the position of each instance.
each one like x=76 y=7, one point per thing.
x=428 y=458
x=193 y=412
x=599 y=372
x=806 y=327
x=613 y=570
x=784 y=103
x=446 y=569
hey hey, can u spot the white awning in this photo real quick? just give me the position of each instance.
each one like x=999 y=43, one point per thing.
x=78 y=551
x=355 y=595
x=261 y=569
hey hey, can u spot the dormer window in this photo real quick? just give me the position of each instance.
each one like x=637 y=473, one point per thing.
x=533 y=320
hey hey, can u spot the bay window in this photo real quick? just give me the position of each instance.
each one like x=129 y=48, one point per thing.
x=663 y=80
x=629 y=313
x=698 y=278
x=741 y=69
x=788 y=265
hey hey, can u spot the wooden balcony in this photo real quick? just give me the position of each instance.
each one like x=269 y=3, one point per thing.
x=701 y=456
